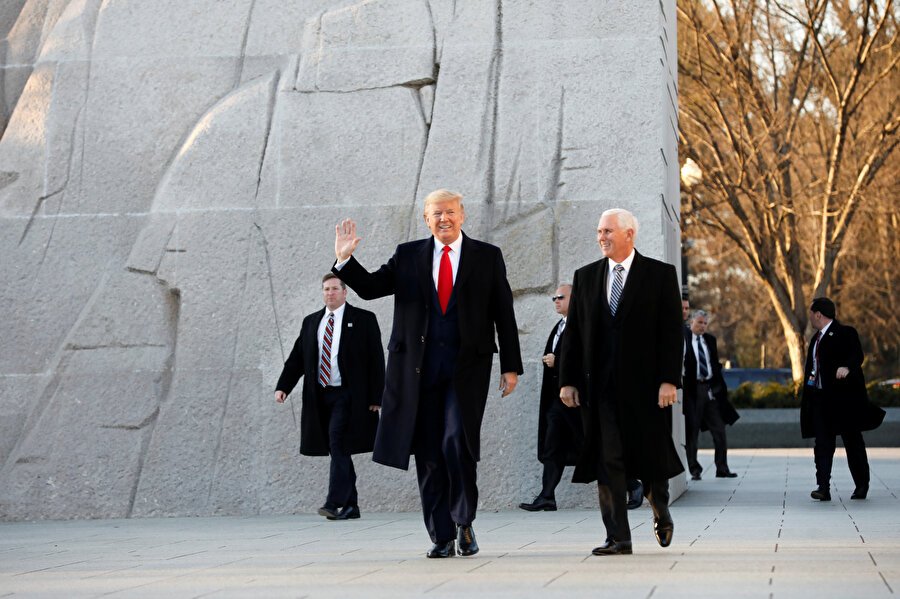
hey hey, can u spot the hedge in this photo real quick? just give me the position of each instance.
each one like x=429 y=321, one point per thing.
x=776 y=395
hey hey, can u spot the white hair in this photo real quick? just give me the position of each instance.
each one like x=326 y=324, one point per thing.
x=624 y=219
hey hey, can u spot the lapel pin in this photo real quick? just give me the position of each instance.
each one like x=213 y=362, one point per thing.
x=349 y=324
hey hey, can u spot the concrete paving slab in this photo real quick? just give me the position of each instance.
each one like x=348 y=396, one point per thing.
x=758 y=535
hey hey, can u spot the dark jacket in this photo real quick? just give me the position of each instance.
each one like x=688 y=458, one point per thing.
x=716 y=384
x=485 y=304
x=549 y=398
x=846 y=400
x=361 y=361
x=633 y=352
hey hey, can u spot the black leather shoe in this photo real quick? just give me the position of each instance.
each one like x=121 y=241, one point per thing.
x=695 y=476
x=726 y=474
x=860 y=493
x=611 y=547
x=663 y=527
x=821 y=493
x=348 y=512
x=328 y=511
x=442 y=550
x=635 y=498
x=465 y=540
x=540 y=504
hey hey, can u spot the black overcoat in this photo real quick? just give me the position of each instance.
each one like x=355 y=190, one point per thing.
x=847 y=406
x=484 y=301
x=549 y=397
x=633 y=352
x=717 y=384
x=361 y=361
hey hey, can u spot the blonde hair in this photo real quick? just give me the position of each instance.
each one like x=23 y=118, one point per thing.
x=442 y=195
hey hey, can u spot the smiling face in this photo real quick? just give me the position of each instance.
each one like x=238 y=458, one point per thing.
x=445 y=219
x=615 y=243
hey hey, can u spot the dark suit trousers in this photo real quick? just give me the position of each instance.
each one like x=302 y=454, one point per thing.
x=826 y=440
x=611 y=461
x=445 y=467
x=342 y=477
x=557 y=440
x=706 y=411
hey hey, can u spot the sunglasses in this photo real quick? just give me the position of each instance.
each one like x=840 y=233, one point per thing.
x=557 y=297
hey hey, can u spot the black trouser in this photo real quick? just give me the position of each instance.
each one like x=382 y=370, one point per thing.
x=612 y=494
x=342 y=477
x=558 y=439
x=445 y=468
x=706 y=411
x=826 y=440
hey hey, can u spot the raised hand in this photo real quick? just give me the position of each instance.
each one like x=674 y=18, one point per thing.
x=345 y=239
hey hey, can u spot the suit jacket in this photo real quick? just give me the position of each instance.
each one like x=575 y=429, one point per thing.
x=717 y=382
x=846 y=401
x=549 y=398
x=484 y=303
x=624 y=359
x=361 y=362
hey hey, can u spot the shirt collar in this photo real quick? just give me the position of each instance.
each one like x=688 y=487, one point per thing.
x=454 y=247
x=338 y=312
x=626 y=263
x=825 y=328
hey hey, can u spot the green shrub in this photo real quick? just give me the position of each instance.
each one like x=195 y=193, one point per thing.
x=776 y=395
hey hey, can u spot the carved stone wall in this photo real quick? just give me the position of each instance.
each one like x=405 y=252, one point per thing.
x=170 y=176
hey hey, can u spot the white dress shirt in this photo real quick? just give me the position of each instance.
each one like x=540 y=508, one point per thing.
x=626 y=264
x=560 y=327
x=455 y=248
x=335 y=380
x=697 y=340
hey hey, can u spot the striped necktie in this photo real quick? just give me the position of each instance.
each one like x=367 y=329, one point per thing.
x=325 y=359
x=617 y=285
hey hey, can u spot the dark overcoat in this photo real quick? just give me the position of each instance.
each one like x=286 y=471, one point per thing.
x=361 y=362
x=847 y=406
x=632 y=352
x=485 y=303
x=549 y=397
x=717 y=384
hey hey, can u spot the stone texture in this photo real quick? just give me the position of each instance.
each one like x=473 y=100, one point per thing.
x=170 y=178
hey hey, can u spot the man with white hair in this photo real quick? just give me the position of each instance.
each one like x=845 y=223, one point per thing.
x=621 y=362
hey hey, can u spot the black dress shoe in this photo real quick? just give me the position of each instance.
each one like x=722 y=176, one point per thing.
x=611 y=547
x=821 y=493
x=634 y=499
x=540 y=504
x=663 y=527
x=465 y=540
x=348 y=512
x=726 y=474
x=329 y=511
x=695 y=476
x=860 y=493
x=442 y=550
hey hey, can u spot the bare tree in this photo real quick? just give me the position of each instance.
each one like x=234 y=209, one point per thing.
x=788 y=116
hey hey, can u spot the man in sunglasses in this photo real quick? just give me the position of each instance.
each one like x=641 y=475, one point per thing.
x=559 y=426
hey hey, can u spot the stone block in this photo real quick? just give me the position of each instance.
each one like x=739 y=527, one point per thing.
x=375 y=43
x=219 y=164
x=350 y=149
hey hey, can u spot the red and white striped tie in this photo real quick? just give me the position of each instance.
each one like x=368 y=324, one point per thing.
x=325 y=360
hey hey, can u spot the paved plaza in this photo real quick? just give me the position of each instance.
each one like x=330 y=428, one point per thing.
x=758 y=535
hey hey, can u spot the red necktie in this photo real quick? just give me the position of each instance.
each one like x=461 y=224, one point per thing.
x=325 y=359
x=445 y=280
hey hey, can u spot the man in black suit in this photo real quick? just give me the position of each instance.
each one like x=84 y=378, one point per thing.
x=339 y=355
x=559 y=427
x=835 y=401
x=706 y=403
x=621 y=361
x=450 y=294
